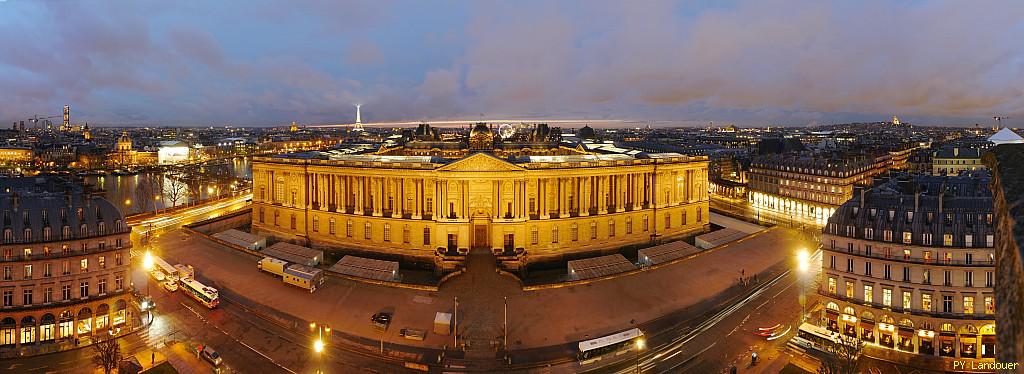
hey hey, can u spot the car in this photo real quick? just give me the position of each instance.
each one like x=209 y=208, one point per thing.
x=210 y=355
x=145 y=303
x=170 y=286
x=158 y=275
x=412 y=334
x=381 y=320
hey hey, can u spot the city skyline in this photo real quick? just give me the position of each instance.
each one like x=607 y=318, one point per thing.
x=682 y=64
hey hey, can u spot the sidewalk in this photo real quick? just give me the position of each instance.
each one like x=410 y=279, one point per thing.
x=185 y=360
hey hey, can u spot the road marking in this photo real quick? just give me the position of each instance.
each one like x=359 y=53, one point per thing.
x=678 y=343
x=201 y=318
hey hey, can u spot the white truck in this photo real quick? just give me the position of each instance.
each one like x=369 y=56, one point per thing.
x=303 y=276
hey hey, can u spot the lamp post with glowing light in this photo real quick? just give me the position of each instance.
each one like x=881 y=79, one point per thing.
x=147 y=263
x=321 y=333
x=640 y=343
x=803 y=265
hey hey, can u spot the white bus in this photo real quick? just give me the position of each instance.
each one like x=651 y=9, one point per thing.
x=817 y=338
x=619 y=343
x=165 y=267
x=203 y=294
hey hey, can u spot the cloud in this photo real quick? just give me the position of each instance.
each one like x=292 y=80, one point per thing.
x=756 y=62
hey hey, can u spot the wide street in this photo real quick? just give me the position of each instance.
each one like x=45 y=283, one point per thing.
x=710 y=332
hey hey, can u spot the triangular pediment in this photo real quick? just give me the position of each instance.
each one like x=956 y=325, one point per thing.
x=481 y=162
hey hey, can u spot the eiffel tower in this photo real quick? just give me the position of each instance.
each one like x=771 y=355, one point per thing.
x=359 y=123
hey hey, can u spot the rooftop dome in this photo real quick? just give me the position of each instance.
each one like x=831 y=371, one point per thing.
x=586 y=132
x=480 y=129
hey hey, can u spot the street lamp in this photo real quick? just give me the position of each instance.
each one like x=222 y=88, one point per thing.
x=319 y=344
x=639 y=346
x=803 y=265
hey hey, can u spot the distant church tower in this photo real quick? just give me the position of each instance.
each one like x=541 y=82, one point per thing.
x=294 y=127
x=86 y=133
x=895 y=121
x=359 y=121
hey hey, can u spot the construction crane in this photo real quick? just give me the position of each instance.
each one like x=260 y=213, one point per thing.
x=999 y=121
x=46 y=119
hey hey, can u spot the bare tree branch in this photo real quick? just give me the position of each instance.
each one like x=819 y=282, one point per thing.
x=108 y=354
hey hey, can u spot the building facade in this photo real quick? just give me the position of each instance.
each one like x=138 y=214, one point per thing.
x=810 y=187
x=436 y=202
x=66 y=267
x=15 y=155
x=909 y=268
x=954 y=160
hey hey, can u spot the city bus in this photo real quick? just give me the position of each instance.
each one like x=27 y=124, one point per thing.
x=165 y=267
x=618 y=343
x=203 y=294
x=817 y=338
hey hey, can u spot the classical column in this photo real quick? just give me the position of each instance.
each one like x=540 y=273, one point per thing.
x=542 y=198
x=465 y=199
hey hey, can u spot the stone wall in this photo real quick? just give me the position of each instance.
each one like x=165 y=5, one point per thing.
x=1007 y=163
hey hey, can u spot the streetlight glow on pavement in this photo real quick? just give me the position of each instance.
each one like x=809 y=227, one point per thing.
x=318 y=346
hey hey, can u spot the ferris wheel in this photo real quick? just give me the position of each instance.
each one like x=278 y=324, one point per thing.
x=506 y=130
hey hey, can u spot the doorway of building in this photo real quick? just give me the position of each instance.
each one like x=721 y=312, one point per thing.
x=480 y=236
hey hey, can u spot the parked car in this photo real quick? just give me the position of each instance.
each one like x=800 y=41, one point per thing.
x=170 y=286
x=381 y=320
x=158 y=275
x=210 y=355
x=412 y=334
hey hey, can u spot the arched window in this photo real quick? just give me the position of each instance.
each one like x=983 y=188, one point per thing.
x=27 y=235
x=84 y=230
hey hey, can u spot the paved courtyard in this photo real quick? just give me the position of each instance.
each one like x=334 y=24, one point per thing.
x=538 y=318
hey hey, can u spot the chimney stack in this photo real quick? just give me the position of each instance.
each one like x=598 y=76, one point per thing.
x=862 y=195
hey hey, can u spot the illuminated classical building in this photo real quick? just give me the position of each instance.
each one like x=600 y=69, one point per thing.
x=954 y=160
x=66 y=267
x=15 y=155
x=528 y=198
x=909 y=268
x=810 y=186
x=124 y=155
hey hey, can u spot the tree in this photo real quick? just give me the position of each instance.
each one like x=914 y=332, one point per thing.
x=147 y=188
x=843 y=356
x=175 y=188
x=108 y=354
